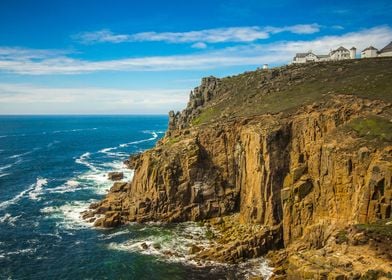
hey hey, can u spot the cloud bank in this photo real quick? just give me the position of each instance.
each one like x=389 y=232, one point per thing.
x=44 y=62
x=215 y=35
x=28 y=99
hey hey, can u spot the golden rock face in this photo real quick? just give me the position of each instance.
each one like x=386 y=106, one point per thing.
x=304 y=175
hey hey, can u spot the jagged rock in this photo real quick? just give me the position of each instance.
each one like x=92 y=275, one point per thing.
x=131 y=163
x=194 y=249
x=115 y=176
x=144 y=246
x=118 y=187
x=303 y=171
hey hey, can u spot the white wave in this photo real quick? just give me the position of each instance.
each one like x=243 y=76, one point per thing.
x=51 y=144
x=27 y=251
x=4 y=167
x=83 y=160
x=154 y=136
x=38 y=188
x=9 y=219
x=69 y=186
x=107 y=150
x=69 y=215
x=115 y=234
x=4 y=174
x=256 y=267
x=12 y=135
x=16 y=198
x=171 y=245
x=20 y=155
x=73 y=130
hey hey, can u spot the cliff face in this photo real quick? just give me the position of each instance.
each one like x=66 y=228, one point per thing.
x=303 y=173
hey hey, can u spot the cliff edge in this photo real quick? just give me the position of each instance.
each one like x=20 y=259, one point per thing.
x=297 y=158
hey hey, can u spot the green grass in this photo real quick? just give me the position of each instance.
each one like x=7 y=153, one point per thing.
x=205 y=116
x=287 y=88
x=373 y=127
x=377 y=228
x=210 y=234
x=341 y=237
x=172 y=140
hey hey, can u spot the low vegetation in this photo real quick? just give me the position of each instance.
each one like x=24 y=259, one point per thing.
x=373 y=127
x=286 y=88
x=381 y=228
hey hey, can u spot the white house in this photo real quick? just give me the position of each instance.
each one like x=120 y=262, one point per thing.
x=386 y=51
x=369 y=52
x=339 y=54
x=305 y=57
x=343 y=53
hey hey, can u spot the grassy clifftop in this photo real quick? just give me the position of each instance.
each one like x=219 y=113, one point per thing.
x=286 y=88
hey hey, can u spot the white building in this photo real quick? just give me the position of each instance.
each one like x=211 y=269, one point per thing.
x=353 y=53
x=386 y=51
x=369 y=52
x=305 y=57
x=342 y=53
x=339 y=54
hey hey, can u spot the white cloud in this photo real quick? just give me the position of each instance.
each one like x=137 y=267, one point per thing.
x=215 y=35
x=25 y=53
x=199 y=45
x=25 y=98
x=296 y=29
x=240 y=55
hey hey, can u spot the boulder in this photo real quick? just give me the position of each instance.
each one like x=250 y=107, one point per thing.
x=115 y=176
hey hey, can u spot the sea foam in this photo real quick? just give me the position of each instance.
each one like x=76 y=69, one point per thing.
x=38 y=188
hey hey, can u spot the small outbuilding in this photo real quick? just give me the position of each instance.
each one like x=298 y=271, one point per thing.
x=369 y=52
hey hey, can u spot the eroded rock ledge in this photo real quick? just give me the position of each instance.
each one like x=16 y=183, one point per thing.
x=303 y=176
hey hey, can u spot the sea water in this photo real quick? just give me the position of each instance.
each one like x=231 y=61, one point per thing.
x=51 y=169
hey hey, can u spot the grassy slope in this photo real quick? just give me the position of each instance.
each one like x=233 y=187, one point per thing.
x=295 y=85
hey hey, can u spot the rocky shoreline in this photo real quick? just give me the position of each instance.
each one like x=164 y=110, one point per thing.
x=276 y=165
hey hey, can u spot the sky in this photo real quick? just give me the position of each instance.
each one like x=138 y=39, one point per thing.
x=144 y=57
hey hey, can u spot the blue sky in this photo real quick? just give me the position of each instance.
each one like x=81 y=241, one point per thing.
x=143 y=57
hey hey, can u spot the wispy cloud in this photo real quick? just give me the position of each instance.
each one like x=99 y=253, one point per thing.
x=25 y=53
x=296 y=29
x=215 y=35
x=75 y=100
x=199 y=45
x=246 y=54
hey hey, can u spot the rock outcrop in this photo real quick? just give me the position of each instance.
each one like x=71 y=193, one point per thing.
x=115 y=176
x=303 y=173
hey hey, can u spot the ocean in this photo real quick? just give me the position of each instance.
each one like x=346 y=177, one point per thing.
x=51 y=169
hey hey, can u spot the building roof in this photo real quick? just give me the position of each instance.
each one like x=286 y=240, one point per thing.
x=302 y=54
x=370 y=48
x=322 y=55
x=387 y=48
x=339 y=49
x=353 y=48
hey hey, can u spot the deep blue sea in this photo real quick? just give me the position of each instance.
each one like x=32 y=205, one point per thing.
x=51 y=169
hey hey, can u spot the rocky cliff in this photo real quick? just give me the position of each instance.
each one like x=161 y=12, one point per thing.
x=303 y=152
